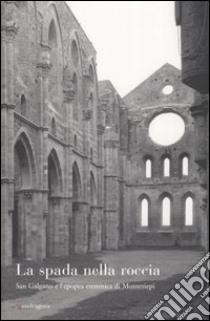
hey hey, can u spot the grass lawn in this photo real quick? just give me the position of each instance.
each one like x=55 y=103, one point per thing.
x=9 y=276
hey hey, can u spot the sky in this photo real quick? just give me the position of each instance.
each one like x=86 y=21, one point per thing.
x=132 y=38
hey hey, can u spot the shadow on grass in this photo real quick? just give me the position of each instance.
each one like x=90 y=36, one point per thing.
x=9 y=277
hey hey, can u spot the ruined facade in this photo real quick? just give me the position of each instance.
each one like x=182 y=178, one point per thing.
x=74 y=152
x=166 y=178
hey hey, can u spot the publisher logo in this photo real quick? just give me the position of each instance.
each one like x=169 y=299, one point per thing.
x=31 y=306
x=19 y=305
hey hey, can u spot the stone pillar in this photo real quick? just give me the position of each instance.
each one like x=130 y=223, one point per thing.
x=101 y=170
x=87 y=116
x=43 y=69
x=100 y=184
x=111 y=181
x=95 y=229
x=122 y=212
x=193 y=16
x=199 y=113
x=79 y=230
x=57 y=228
x=68 y=94
x=8 y=38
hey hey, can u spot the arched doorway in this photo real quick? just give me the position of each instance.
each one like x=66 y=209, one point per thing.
x=54 y=204
x=25 y=179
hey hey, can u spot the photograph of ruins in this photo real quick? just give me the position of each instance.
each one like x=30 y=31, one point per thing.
x=83 y=170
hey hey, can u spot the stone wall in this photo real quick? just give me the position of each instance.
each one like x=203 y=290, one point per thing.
x=50 y=114
x=145 y=103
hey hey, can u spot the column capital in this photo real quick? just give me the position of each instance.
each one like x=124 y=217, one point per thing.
x=6 y=106
x=44 y=59
x=9 y=32
x=43 y=69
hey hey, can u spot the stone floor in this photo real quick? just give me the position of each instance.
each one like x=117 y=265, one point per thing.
x=170 y=263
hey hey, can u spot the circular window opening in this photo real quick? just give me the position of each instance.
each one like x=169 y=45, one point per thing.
x=167 y=90
x=166 y=129
x=74 y=53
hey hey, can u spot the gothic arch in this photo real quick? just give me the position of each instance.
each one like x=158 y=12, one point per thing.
x=166 y=165
x=51 y=13
x=25 y=174
x=52 y=36
x=94 y=80
x=91 y=73
x=184 y=164
x=143 y=219
x=24 y=161
x=166 y=201
x=148 y=165
x=188 y=209
x=55 y=181
x=28 y=35
x=93 y=190
x=76 y=182
x=74 y=37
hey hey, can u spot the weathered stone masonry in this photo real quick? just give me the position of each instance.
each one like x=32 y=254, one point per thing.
x=72 y=164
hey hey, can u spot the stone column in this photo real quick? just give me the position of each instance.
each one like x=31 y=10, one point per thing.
x=43 y=69
x=87 y=116
x=79 y=231
x=200 y=113
x=194 y=21
x=57 y=228
x=101 y=170
x=111 y=181
x=8 y=38
x=68 y=94
x=95 y=229
x=101 y=130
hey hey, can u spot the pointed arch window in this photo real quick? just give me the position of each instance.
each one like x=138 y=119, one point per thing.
x=56 y=60
x=166 y=211
x=75 y=141
x=53 y=127
x=75 y=53
x=91 y=73
x=148 y=168
x=23 y=104
x=144 y=212
x=185 y=166
x=75 y=107
x=91 y=154
x=189 y=211
x=166 y=167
